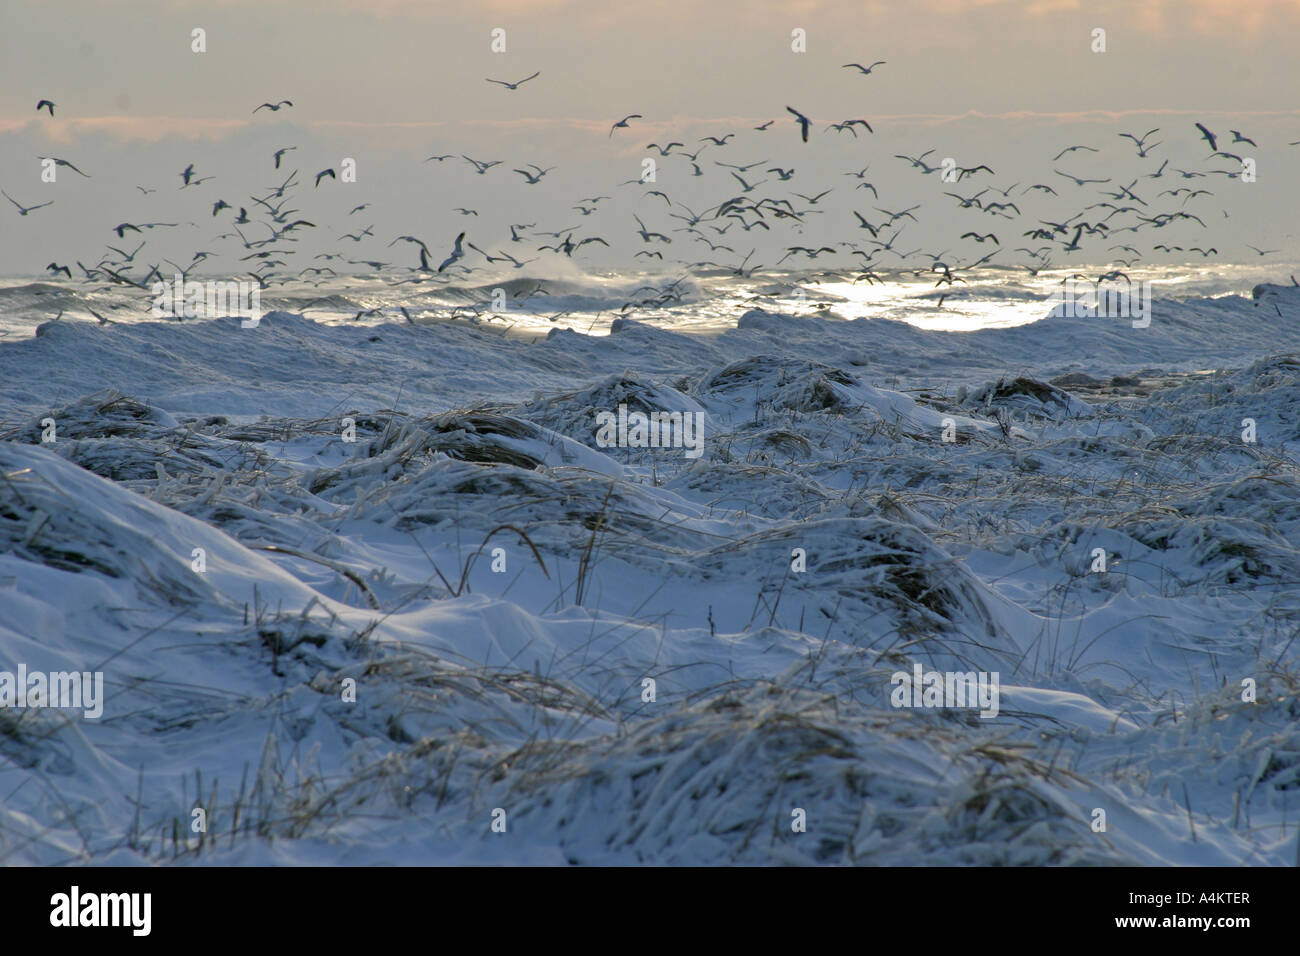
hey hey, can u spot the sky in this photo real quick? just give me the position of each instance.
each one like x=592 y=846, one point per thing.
x=1005 y=83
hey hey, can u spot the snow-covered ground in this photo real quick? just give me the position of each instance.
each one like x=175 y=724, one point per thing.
x=330 y=564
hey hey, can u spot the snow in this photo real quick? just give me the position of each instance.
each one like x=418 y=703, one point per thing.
x=372 y=561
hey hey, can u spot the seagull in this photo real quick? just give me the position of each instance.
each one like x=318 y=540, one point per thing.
x=741 y=169
x=515 y=86
x=322 y=174
x=1077 y=180
x=899 y=215
x=919 y=162
x=280 y=152
x=1238 y=138
x=746 y=187
x=439 y=158
x=480 y=167
x=219 y=205
x=622 y=124
x=127 y=256
x=803 y=121
x=764 y=126
x=812 y=200
x=64 y=162
x=146 y=191
x=849 y=124
x=1070 y=149
x=534 y=178
x=716 y=141
x=24 y=210
x=864 y=70
x=503 y=257
x=1143 y=149
x=664 y=150
x=418 y=242
x=646 y=235
x=968 y=201
x=187 y=173
x=465 y=212
x=54 y=268
x=1208 y=137
x=275 y=190
x=273 y=107
x=48 y=104
x=863 y=224
x=1263 y=252
x=456 y=253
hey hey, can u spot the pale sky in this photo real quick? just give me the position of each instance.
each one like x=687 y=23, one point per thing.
x=1001 y=82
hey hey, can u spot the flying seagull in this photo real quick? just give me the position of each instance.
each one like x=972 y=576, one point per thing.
x=456 y=253
x=323 y=173
x=622 y=124
x=1077 y=180
x=24 y=210
x=121 y=228
x=1238 y=138
x=1070 y=149
x=849 y=124
x=864 y=70
x=533 y=178
x=479 y=165
x=1143 y=149
x=274 y=107
x=515 y=86
x=803 y=121
x=48 y=104
x=64 y=162
x=1208 y=137
x=280 y=152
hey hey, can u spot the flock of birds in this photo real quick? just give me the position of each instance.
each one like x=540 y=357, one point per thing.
x=1103 y=215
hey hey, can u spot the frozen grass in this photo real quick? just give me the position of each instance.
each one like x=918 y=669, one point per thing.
x=522 y=689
